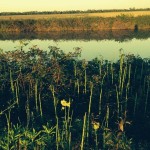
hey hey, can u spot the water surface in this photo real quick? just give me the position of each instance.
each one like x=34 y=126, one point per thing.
x=104 y=44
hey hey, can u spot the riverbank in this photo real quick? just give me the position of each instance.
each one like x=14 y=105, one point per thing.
x=84 y=23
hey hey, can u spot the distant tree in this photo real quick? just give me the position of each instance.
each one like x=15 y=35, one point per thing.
x=73 y=11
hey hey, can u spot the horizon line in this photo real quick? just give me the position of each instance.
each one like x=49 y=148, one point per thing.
x=113 y=9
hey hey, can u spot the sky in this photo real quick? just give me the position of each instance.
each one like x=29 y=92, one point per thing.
x=62 y=5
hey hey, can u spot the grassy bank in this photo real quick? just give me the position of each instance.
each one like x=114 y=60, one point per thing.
x=51 y=100
x=44 y=15
x=86 y=23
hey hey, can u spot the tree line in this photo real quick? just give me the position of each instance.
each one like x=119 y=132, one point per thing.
x=72 y=11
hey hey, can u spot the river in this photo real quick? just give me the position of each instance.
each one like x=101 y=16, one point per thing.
x=106 y=44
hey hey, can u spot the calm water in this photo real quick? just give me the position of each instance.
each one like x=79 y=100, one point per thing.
x=103 y=44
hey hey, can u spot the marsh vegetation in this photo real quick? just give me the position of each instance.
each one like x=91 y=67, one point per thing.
x=91 y=22
x=53 y=100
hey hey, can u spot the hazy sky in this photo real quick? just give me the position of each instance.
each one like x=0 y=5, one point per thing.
x=50 y=5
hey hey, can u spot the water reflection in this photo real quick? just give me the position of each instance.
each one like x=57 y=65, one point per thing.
x=118 y=35
x=93 y=44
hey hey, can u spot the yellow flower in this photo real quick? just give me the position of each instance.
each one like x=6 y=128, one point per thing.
x=64 y=103
x=96 y=125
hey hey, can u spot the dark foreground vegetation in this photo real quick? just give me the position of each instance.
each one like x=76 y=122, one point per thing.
x=51 y=100
x=75 y=24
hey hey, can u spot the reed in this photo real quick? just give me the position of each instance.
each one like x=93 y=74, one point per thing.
x=101 y=93
x=11 y=82
x=8 y=129
x=117 y=101
x=56 y=117
x=28 y=112
x=66 y=131
x=89 y=111
x=84 y=65
x=40 y=103
x=112 y=74
x=36 y=95
x=83 y=132
x=52 y=90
